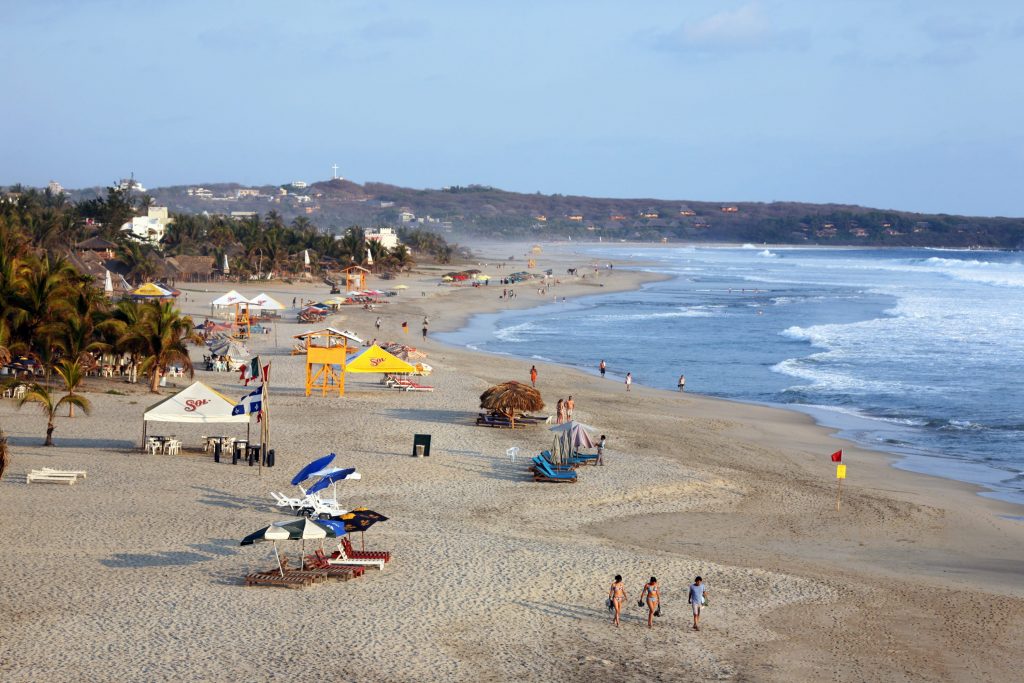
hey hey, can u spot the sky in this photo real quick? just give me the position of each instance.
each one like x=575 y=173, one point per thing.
x=900 y=104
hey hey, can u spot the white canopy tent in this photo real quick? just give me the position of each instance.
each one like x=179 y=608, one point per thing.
x=229 y=299
x=195 y=404
x=264 y=300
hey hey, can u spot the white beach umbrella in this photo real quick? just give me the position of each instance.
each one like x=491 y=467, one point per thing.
x=226 y=269
x=108 y=284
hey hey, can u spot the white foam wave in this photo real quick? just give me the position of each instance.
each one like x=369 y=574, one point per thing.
x=835 y=381
x=767 y=253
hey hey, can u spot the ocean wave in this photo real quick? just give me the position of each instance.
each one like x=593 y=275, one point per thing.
x=834 y=381
x=767 y=253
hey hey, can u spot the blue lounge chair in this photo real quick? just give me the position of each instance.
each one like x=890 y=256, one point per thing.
x=542 y=472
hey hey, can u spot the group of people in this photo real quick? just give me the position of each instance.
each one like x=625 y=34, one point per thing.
x=650 y=596
x=564 y=410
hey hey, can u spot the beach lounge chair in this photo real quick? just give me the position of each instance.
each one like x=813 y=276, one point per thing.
x=340 y=557
x=364 y=554
x=51 y=477
x=76 y=473
x=320 y=562
x=293 y=504
x=274 y=578
x=542 y=472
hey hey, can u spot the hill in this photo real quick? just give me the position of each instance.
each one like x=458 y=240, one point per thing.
x=477 y=210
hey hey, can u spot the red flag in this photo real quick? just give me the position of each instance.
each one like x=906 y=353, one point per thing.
x=837 y=456
x=266 y=372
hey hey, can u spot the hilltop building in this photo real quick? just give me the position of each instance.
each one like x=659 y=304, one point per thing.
x=151 y=227
x=386 y=237
x=55 y=188
x=130 y=184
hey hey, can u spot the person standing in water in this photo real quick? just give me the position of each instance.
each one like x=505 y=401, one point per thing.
x=602 y=367
x=682 y=382
x=629 y=380
x=533 y=375
x=617 y=594
x=652 y=595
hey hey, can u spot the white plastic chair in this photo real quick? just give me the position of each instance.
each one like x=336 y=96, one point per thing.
x=512 y=453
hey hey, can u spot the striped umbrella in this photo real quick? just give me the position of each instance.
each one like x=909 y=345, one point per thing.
x=297 y=530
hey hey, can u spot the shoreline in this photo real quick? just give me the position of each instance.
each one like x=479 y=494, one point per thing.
x=901 y=461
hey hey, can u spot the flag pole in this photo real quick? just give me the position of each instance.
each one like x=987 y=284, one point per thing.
x=839 y=493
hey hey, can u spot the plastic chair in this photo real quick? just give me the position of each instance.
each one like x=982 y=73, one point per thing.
x=512 y=453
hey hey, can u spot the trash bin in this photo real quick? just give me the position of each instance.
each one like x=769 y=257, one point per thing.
x=421 y=445
x=218 y=448
x=270 y=458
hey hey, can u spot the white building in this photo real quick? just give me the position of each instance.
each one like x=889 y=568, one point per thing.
x=55 y=187
x=386 y=237
x=247 y=192
x=130 y=184
x=151 y=227
x=406 y=216
x=300 y=184
x=200 y=192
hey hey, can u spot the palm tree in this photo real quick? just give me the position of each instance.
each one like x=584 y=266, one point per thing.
x=138 y=258
x=73 y=375
x=37 y=393
x=161 y=335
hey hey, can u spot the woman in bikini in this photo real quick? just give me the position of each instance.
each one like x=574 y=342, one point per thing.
x=617 y=594
x=653 y=597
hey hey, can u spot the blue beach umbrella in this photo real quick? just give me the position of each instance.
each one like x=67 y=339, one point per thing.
x=331 y=478
x=312 y=467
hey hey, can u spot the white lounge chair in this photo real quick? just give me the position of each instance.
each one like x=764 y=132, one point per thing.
x=77 y=473
x=342 y=559
x=51 y=477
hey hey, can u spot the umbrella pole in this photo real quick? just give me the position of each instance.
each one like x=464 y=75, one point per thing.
x=362 y=540
x=278 y=556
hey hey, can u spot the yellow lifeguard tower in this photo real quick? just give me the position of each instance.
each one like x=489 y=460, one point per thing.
x=326 y=350
x=242 y=323
x=355 y=278
x=536 y=250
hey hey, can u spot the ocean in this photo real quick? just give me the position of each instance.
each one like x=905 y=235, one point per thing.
x=915 y=352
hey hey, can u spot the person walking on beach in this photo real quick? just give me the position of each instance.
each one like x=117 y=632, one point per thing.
x=697 y=592
x=617 y=594
x=629 y=380
x=570 y=405
x=377 y=324
x=652 y=595
x=602 y=366
x=424 y=332
x=560 y=412
x=600 y=451
x=533 y=375
x=682 y=382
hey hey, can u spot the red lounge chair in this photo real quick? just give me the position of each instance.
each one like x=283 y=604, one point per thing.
x=364 y=554
x=320 y=562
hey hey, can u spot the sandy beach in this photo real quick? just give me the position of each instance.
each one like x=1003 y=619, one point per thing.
x=135 y=574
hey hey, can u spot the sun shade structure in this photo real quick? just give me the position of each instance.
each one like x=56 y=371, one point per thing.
x=315 y=466
x=229 y=299
x=195 y=404
x=151 y=290
x=376 y=359
x=326 y=350
x=298 y=530
x=266 y=302
x=327 y=480
x=511 y=398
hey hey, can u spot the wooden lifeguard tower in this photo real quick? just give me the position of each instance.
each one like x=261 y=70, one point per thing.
x=242 y=322
x=326 y=350
x=355 y=278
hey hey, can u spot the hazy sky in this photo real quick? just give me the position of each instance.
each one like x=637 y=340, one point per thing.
x=914 y=104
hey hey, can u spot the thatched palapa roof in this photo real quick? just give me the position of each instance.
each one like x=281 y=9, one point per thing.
x=511 y=398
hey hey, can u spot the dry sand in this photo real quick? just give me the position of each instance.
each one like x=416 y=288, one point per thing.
x=135 y=574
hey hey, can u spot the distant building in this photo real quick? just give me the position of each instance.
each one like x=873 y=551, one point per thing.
x=730 y=209
x=858 y=232
x=240 y=215
x=406 y=216
x=151 y=227
x=55 y=188
x=541 y=218
x=649 y=213
x=302 y=199
x=385 y=204
x=618 y=217
x=247 y=192
x=200 y=193
x=576 y=217
x=97 y=245
x=385 y=237
x=300 y=184
x=685 y=211
x=130 y=184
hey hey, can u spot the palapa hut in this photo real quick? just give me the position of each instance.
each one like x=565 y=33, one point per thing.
x=511 y=398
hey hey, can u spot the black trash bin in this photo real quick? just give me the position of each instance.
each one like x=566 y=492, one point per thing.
x=218 y=447
x=421 y=440
x=270 y=458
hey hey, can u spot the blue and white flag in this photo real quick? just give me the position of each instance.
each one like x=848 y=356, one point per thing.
x=250 y=403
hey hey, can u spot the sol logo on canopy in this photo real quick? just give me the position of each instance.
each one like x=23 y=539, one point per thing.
x=374 y=362
x=192 y=404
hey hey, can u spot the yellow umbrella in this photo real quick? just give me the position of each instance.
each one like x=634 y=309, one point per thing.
x=401 y=287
